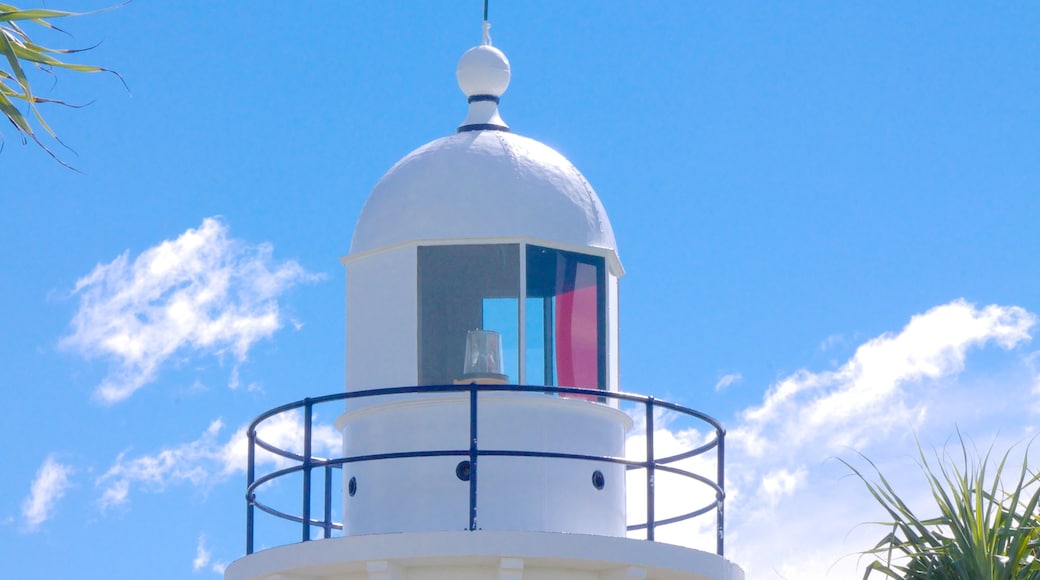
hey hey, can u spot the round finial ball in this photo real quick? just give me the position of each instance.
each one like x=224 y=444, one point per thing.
x=483 y=70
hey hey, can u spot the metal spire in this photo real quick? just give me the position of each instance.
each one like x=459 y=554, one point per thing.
x=487 y=26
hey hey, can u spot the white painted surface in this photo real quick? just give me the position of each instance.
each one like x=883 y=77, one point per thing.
x=382 y=315
x=513 y=493
x=483 y=70
x=483 y=184
x=483 y=555
x=483 y=113
x=613 y=347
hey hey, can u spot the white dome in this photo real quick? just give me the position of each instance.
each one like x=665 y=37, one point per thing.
x=483 y=184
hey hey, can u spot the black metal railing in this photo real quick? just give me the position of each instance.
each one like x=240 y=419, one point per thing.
x=306 y=463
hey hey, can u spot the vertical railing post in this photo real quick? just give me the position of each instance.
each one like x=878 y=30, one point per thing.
x=306 y=469
x=721 y=498
x=328 y=502
x=250 y=497
x=473 y=456
x=650 y=468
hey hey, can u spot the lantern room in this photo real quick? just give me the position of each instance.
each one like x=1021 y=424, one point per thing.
x=486 y=242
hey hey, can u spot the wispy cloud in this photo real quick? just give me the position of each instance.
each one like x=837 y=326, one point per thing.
x=866 y=397
x=831 y=342
x=204 y=558
x=792 y=511
x=1033 y=360
x=727 y=381
x=203 y=293
x=202 y=555
x=208 y=460
x=52 y=480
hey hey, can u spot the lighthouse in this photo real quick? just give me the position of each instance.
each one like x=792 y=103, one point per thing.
x=484 y=428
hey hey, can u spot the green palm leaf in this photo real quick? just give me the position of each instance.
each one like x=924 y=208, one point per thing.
x=982 y=530
x=18 y=50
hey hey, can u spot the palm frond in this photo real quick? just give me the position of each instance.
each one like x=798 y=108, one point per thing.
x=984 y=527
x=17 y=50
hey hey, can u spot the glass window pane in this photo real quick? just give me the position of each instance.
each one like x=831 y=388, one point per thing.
x=577 y=328
x=539 y=342
x=565 y=326
x=456 y=284
x=502 y=315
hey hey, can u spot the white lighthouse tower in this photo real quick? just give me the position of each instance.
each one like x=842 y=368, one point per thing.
x=484 y=435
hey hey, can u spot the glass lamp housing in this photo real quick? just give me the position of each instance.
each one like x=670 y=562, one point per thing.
x=483 y=356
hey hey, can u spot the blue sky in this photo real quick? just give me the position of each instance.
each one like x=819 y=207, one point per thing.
x=827 y=216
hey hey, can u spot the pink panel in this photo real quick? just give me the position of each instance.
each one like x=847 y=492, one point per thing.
x=577 y=357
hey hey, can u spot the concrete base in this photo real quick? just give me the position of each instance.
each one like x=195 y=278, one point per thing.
x=482 y=555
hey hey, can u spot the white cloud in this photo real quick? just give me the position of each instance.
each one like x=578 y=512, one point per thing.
x=865 y=397
x=203 y=292
x=727 y=381
x=832 y=341
x=202 y=554
x=793 y=511
x=674 y=495
x=52 y=480
x=780 y=483
x=208 y=460
x=1033 y=360
x=204 y=558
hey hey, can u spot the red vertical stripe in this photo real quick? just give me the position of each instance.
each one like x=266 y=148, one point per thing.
x=577 y=354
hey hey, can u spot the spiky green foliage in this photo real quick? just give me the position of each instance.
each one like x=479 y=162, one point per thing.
x=984 y=527
x=17 y=52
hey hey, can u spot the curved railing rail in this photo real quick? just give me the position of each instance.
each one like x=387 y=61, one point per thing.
x=306 y=463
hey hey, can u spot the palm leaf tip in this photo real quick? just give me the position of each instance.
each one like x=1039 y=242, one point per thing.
x=17 y=50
